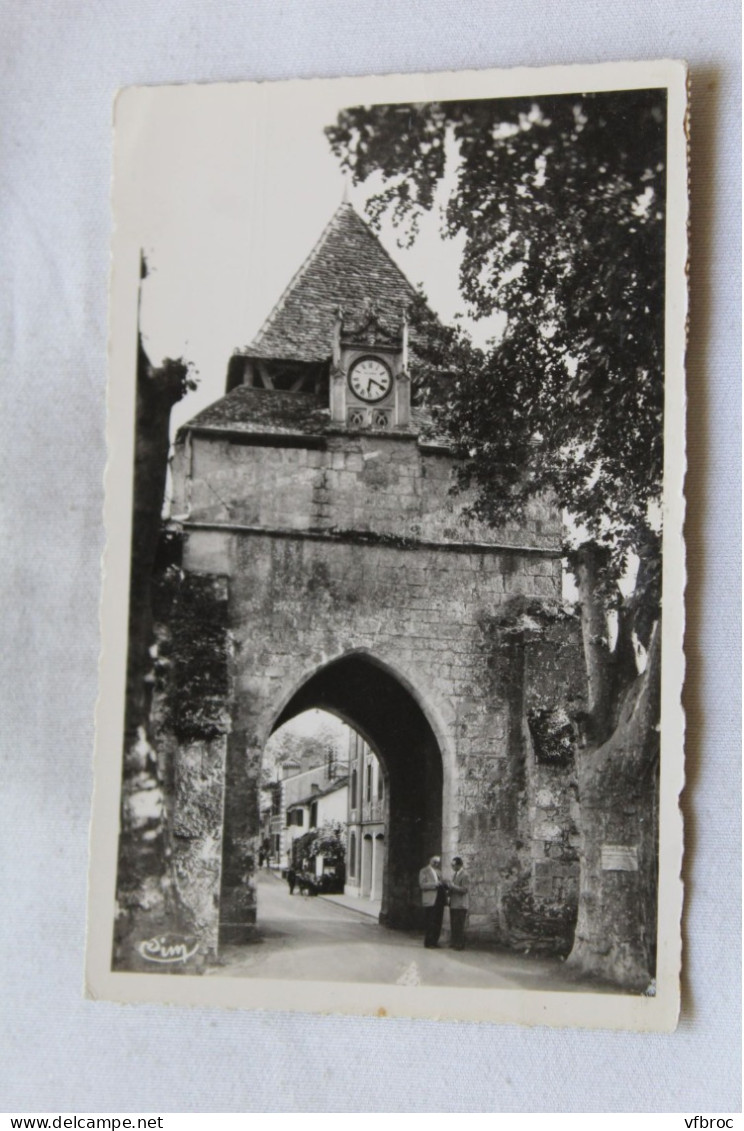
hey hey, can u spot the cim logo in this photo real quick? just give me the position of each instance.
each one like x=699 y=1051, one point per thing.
x=167 y=948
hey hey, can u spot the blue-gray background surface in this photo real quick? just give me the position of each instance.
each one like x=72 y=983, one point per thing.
x=60 y=65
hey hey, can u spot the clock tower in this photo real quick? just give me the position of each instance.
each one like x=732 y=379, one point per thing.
x=370 y=387
x=339 y=333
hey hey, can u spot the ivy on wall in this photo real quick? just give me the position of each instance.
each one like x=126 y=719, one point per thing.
x=553 y=734
x=199 y=655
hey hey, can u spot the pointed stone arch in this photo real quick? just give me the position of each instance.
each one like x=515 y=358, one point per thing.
x=382 y=705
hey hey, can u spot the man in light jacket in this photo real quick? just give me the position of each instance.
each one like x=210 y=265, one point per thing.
x=459 y=901
x=433 y=898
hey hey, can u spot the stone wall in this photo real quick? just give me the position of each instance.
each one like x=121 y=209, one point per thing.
x=383 y=485
x=542 y=904
x=191 y=723
x=361 y=550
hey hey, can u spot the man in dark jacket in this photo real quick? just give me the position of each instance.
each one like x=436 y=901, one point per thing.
x=459 y=901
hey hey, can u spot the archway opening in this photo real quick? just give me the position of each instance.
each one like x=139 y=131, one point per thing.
x=374 y=702
x=304 y=798
x=397 y=822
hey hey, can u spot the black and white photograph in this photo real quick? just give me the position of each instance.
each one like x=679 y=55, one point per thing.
x=390 y=716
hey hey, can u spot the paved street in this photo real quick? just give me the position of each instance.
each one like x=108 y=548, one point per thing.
x=312 y=938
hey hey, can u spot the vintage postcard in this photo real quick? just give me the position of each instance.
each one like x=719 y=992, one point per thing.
x=390 y=717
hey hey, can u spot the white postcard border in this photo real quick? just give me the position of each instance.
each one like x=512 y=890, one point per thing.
x=610 y=1011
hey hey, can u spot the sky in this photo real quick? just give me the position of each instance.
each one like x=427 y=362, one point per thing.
x=228 y=189
x=313 y=724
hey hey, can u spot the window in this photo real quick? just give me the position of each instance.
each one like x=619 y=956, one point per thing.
x=380 y=784
x=352 y=854
x=314 y=814
x=294 y=817
x=369 y=781
x=353 y=789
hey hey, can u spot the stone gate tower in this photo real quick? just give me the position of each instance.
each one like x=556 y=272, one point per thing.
x=349 y=579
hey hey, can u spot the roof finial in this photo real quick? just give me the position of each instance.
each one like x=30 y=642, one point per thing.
x=347 y=186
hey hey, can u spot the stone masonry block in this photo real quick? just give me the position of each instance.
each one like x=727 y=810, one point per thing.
x=208 y=551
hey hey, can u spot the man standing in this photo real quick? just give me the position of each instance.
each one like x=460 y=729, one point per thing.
x=433 y=898
x=459 y=902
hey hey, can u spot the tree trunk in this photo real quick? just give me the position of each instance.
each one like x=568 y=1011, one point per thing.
x=596 y=647
x=615 y=937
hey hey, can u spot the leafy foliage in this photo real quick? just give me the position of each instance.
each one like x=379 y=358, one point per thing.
x=329 y=841
x=199 y=655
x=560 y=202
x=541 y=924
x=553 y=734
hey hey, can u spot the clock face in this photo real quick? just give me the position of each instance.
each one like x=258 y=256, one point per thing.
x=370 y=379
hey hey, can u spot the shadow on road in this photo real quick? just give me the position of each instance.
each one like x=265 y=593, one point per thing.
x=311 y=938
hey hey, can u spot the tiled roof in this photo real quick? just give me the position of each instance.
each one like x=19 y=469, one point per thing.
x=347 y=267
x=247 y=409
x=273 y=412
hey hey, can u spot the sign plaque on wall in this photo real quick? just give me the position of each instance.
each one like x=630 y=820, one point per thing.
x=619 y=858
